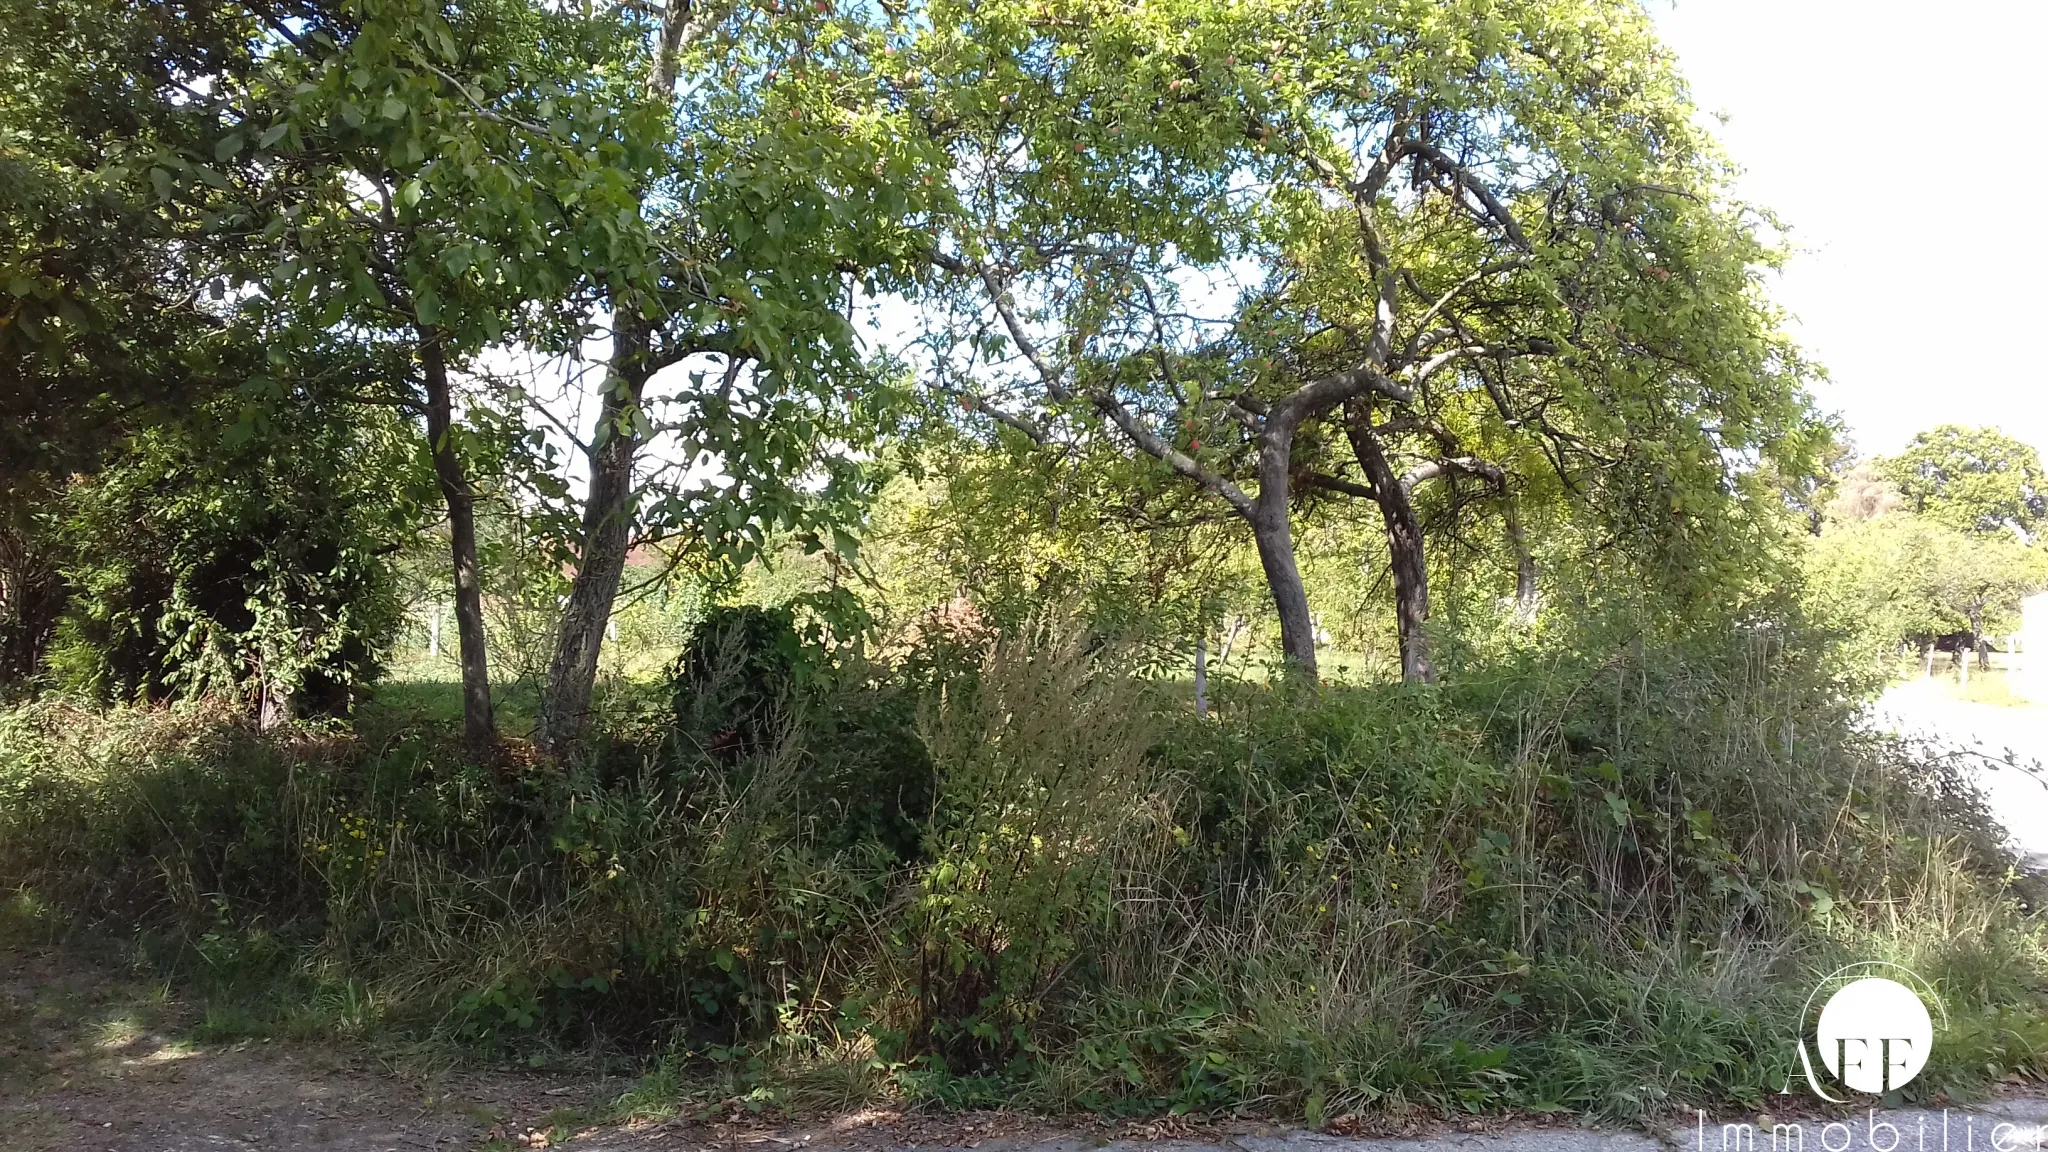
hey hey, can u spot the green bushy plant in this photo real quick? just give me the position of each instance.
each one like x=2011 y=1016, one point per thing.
x=1598 y=877
x=246 y=561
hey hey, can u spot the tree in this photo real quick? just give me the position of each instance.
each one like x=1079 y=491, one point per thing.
x=108 y=328
x=789 y=183
x=1979 y=580
x=1899 y=577
x=440 y=181
x=1977 y=480
x=1490 y=243
x=105 y=322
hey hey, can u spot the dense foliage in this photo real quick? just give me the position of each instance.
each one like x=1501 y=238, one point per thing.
x=222 y=560
x=1142 y=556
x=1572 y=880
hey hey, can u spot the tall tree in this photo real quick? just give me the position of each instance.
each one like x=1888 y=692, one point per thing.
x=445 y=181
x=789 y=185
x=107 y=327
x=1978 y=480
x=1487 y=238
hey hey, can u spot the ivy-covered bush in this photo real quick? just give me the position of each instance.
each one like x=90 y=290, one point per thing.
x=249 y=558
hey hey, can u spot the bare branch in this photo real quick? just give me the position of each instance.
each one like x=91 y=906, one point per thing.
x=1331 y=483
x=1326 y=392
x=1174 y=458
x=1421 y=326
x=1104 y=402
x=1469 y=465
x=1027 y=426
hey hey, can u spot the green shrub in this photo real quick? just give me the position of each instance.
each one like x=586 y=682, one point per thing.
x=1600 y=883
x=249 y=565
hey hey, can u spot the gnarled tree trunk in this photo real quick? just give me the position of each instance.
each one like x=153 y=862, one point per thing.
x=1405 y=555
x=1525 y=566
x=1273 y=532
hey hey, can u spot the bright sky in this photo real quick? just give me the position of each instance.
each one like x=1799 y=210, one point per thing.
x=1905 y=146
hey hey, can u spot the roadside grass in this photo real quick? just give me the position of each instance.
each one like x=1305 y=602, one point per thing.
x=1987 y=686
x=1024 y=875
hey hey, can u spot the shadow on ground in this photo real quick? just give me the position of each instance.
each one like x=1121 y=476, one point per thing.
x=89 y=1060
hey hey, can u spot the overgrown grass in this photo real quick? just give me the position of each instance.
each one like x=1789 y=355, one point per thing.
x=1024 y=875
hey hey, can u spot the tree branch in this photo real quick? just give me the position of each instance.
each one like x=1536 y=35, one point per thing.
x=1331 y=483
x=1471 y=183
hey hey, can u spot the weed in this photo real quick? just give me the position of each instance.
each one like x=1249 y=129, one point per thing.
x=1015 y=873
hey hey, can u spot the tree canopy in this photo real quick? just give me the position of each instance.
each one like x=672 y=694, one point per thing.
x=1976 y=480
x=1459 y=286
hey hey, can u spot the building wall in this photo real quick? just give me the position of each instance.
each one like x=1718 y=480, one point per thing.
x=2031 y=678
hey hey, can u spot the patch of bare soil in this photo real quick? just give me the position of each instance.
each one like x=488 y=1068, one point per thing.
x=90 y=1061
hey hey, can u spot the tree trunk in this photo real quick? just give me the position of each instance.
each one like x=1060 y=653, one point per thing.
x=607 y=528
x=1202 y=671
x=608 y=514
x=273 y=703
x=1525 y=566
x=1273 y=532
x=1404 y=551
x=1229 y=639
x=479 y=730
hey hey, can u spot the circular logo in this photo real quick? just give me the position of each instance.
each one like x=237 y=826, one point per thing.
x=1874 y=1034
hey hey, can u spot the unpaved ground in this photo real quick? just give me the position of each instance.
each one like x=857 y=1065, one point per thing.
x=93 y=1062
x=2013 y=742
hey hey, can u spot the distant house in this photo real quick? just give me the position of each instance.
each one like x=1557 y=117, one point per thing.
x=2031 y=678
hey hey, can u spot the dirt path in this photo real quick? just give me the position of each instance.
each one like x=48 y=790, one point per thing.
x=95 y=1061
x=91 y=1061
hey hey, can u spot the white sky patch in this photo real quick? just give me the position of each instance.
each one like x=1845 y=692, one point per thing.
x=563 y=397
x=1901 y=143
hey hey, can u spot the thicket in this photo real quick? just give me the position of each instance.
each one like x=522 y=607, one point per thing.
x=246 y=559
x=1394 y=334
x=1002 y=867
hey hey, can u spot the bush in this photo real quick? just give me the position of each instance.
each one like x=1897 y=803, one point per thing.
x=1595 y=884
x=250 y=565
